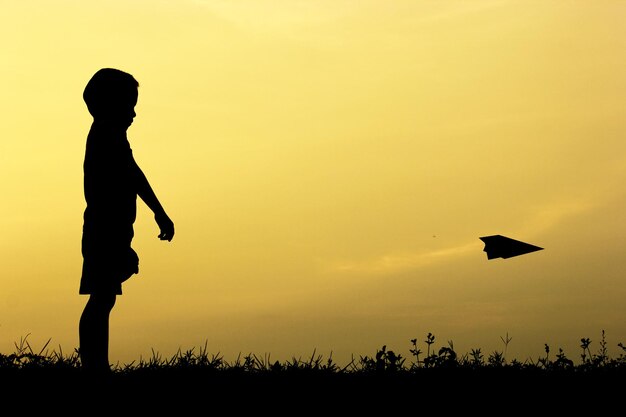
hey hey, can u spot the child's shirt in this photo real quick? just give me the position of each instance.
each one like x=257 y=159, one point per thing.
x=110 y=174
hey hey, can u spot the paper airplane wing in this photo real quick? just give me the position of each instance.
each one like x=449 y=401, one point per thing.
x=498 y=246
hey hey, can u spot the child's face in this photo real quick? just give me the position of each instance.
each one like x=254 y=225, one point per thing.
x=122 y=113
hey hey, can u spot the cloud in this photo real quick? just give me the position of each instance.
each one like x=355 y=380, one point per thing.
x=550 y=215
x=399 y=262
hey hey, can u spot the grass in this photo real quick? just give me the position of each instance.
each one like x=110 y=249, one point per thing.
x=385 y=378
x=385 y=361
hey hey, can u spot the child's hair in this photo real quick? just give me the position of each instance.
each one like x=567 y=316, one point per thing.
x=106 y=88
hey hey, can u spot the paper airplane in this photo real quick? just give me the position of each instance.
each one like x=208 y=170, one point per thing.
x=498 y=246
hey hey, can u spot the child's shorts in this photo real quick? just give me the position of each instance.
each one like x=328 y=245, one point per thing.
x=104 y=272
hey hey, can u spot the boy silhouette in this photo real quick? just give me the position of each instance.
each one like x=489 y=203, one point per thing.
x=112 y=182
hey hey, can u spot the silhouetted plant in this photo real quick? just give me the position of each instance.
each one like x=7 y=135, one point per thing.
x=584 y=344
x=602 y=356
x=25 y=357
x=601 y=359
x=314 y=364
x=430 y=339
x=386 y=361
x=562 y=362
x=506 y=342
x=496 y=359
x=251 y=363
x=545 y=362
x=477 y=359
x=445 y=357
x=415 y=351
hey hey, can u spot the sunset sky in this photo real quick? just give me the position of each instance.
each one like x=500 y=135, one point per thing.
x=329 y=166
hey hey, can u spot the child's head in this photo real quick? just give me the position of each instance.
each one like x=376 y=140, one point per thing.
x=111 y=95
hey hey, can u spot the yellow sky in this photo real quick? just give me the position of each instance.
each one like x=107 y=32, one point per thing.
x=330 y=167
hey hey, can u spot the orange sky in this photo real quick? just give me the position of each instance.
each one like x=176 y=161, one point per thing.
x=330 y=167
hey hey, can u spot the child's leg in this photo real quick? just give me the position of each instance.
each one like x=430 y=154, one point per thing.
x=94 y=332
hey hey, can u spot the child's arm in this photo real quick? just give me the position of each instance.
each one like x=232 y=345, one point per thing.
x=145 y=192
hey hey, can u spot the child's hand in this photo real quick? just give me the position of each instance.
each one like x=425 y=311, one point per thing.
x=166 y=225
